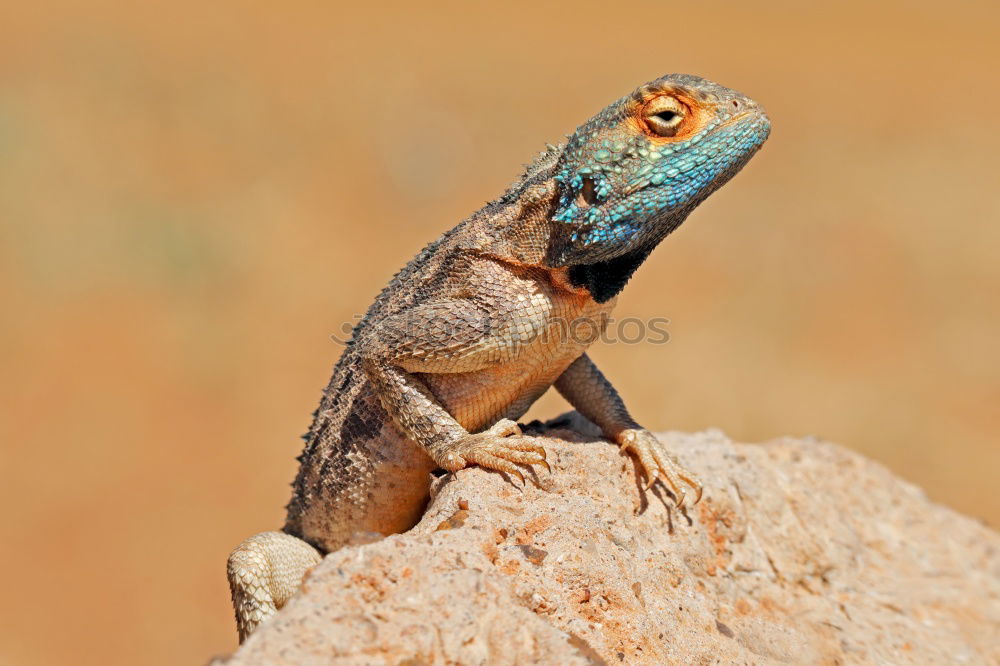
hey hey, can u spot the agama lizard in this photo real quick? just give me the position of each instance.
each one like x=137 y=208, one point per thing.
x=473 y=330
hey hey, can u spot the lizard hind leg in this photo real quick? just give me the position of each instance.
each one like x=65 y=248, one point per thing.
x=264 y=572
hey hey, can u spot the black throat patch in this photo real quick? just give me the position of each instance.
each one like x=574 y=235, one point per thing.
x=605 y=279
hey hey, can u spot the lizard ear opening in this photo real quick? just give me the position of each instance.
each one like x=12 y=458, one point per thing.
x=587 y=196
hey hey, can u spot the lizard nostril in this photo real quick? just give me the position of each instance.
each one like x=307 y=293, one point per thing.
x=736 y=105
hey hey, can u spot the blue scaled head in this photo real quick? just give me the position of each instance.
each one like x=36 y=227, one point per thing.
x=633 y=173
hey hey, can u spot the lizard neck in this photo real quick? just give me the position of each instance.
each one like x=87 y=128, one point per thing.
x=605 y=279
x=518 y=227
x=523 y=232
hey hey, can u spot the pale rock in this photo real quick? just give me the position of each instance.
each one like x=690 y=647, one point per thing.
x=800 y=552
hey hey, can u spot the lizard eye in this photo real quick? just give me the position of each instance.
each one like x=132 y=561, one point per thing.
x=664 y=115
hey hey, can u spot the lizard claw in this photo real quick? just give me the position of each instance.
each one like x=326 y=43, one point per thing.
x=657 y=463
x=500 y=448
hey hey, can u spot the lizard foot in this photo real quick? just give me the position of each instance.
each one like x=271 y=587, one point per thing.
x=498 y=448
x=658 y=463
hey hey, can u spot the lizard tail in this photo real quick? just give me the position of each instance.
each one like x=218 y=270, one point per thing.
x=264 y=572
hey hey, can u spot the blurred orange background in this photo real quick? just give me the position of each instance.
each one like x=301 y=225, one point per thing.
x=194 y=196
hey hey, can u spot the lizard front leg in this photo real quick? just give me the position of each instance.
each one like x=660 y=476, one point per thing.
x=446 y=336
x=591 y=394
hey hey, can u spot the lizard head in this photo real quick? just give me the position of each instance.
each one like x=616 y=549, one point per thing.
x=632 y=173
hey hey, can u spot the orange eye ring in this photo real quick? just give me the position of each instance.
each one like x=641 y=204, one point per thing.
x=664 y=115
x=669 y=116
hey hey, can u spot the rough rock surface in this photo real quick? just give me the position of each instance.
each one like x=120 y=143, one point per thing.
x=800 y=552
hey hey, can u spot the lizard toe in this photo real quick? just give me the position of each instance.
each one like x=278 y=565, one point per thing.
x=658 y=464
